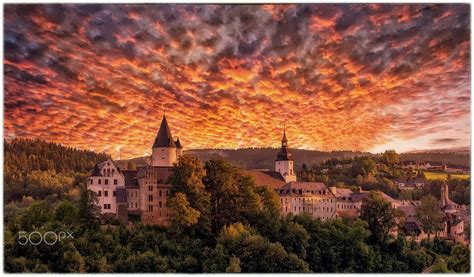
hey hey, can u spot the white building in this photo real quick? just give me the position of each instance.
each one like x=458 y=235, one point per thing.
x=104 y=181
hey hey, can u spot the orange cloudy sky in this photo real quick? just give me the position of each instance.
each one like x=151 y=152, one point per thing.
x=341 y=77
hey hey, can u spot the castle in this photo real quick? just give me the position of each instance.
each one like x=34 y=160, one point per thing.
x=144 y=191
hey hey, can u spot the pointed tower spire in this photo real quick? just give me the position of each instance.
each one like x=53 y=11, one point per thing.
x=284 y=154
x=164 y=137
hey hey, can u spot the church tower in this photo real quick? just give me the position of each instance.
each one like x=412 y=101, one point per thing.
x=284 y=161
x=164 y=149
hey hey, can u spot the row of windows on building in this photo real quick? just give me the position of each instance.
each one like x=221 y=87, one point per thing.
x=160 y=192
x=106 y=193
x=107 y=206
x=309 y=209
x=108 y=172
x=346 y=206
x=304 y=200
x=132 y=193
x=132 y=205
x=106 y=181
x=301 y=191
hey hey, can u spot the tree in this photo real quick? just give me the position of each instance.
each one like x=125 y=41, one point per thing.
x=294 y=238
x=89 y=211
x=429 y=214
x=187 y=179
x=459 y=260
x=380 y=216
x=243 y=242
x=233 y=194
x=66 y=212
x=440 y=266
x=183 y=215
x=234 y=265
x=390 y=158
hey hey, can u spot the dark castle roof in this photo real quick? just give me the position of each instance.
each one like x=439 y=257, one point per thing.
x=97 y=171
x=130 y=180
x=164 y=137
x=178 y=144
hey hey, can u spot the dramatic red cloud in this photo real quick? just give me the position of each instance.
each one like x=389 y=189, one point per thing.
x=341 y=77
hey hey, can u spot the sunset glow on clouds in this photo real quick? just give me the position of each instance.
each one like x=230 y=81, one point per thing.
x=341 y=77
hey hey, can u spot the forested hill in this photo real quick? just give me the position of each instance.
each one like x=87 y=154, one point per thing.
x=39 y=169
x=257 y=158
x=26 y=155
x=264 y=158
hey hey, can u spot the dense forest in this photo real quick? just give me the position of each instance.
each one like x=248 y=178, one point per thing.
x=221 y=222
x=40 y=169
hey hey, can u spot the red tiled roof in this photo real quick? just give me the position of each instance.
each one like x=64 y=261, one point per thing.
x=270 y=179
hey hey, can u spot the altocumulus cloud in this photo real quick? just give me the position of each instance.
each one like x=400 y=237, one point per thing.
x=340 y=76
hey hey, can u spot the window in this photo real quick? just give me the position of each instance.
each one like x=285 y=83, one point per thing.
x=106 y=193
x=150 y=208
x=162 y=158
x=92 y=181
x=108 y=164
x=100 y=181
x=114 y=194
x=128 y=205
x=150 y=188
x=160 y=204
x=136 y=204
x=166 y=193
x=159 y=192
x=105 y=206
x=100 y=192
x=150 y=197
x=106 y=181
x=115 y=182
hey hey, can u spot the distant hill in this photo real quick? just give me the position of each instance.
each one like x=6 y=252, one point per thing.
x=264 y=158
x=454 y=150
x=257 y=158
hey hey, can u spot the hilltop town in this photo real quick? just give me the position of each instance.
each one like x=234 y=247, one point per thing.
x=144 y=191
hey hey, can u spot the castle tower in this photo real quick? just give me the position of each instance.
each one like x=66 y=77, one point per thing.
x=164 y=148
x=284 y=161
x=179 y=149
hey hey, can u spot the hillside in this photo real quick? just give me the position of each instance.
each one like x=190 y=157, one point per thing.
x=39 y=169
x=264 y=158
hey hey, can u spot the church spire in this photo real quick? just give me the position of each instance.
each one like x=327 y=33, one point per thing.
x=284 y=154
x=284 y=141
